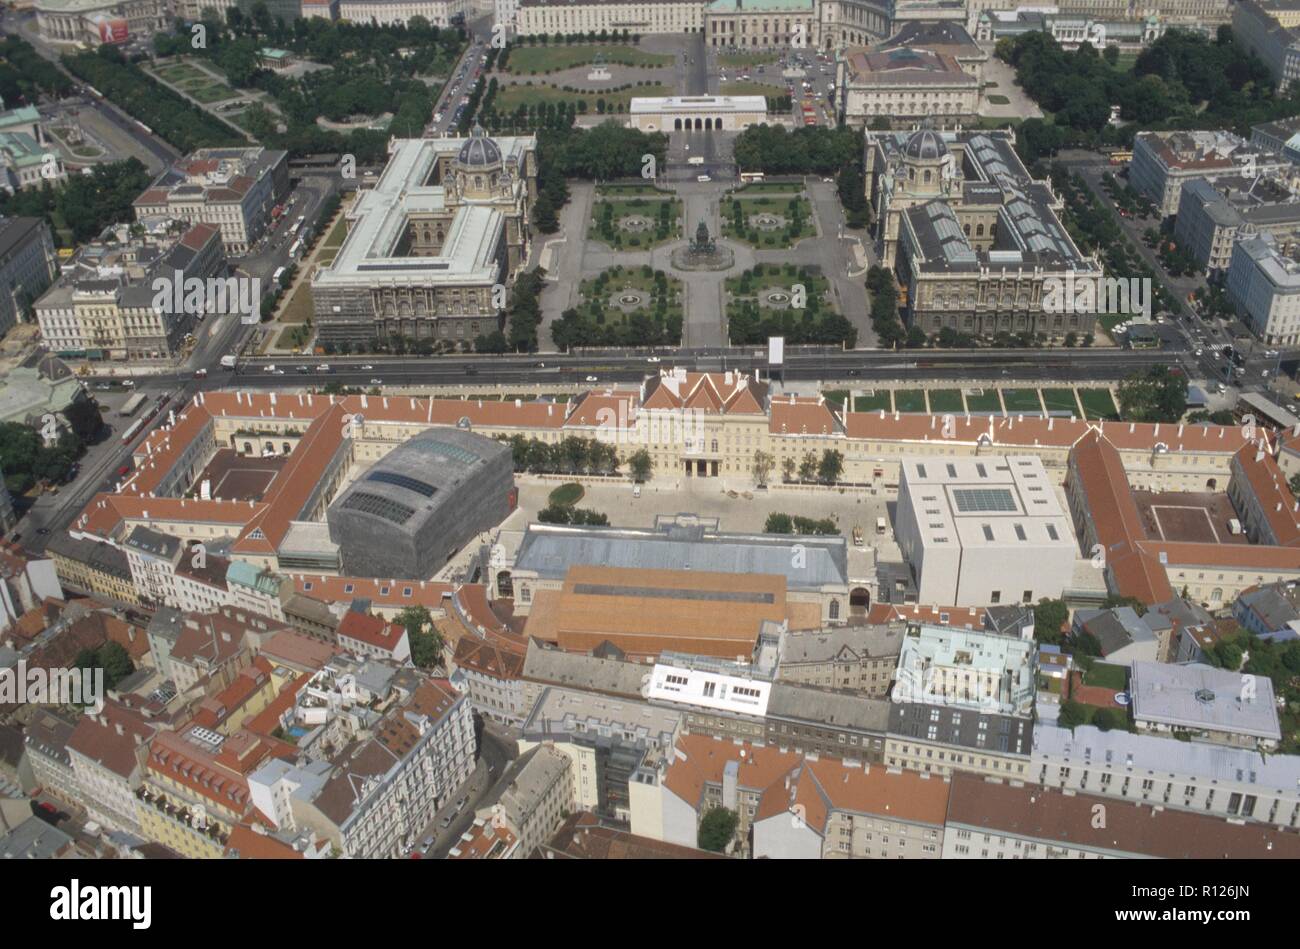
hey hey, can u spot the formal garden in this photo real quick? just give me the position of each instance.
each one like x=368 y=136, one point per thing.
x=637 y=223
x=624 y=306
x=772 y=222
x=553 y=57
x=784 y=300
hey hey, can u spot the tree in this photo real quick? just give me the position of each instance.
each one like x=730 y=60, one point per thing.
x=426 y=642
x=1294 y=484
x=763 y=465
x=830 y=467
x=778 y=523
x=1158 y=396
x=808 y=467
x=1071 y=715
x=640 y=464
x=788 y=466
x=717 y=828
x=84 y=420
x=1104 y=719
x=1049 y=616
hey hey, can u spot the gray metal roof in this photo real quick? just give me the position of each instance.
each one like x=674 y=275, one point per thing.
x=838 y=709
x=550 y=550
x=589 y=673
x=1154 y=754
x=1201 y=697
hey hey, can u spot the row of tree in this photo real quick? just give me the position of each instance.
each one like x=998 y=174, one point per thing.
x=176 y=120
x=572 y=455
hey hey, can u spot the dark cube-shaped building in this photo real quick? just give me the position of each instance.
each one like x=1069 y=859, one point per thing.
x=407 y=514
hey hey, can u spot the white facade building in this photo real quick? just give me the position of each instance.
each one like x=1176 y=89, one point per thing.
x=1264 y=287
x=982 y=532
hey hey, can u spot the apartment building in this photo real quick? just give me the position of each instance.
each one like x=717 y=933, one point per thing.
x=829 y=809
x=1269 y=30
x=1165 y=161
x=107 y=753
x=902 y=83
x=46 y=741
x=1264 y=288
x=813 y=721
x=384 y=790
x=538 y=799
x=995 y=820
x=1161 y=771
x=195 y=789
x=26 y=266
x=491 y=676
x=104 y=304
x=234 y=189
x=1205 y=704
x=607 y=740
x=859 y=659
x=1212 y=217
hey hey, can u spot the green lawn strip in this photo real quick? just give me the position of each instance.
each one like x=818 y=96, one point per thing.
x=909 y=400
x=946 y=400
x=1022 y=401
x=986 y=401
x=1098 y=404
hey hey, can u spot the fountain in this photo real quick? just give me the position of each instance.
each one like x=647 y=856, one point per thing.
x=703 y=253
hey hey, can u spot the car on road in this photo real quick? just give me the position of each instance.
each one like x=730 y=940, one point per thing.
x=270 y=368
x=128 y=383
x=539 y=365
x=376 y=382
x=445 y=822
x=323 y=367
x=367 y=368
x=42 y=531
x=427 y=842
x=703 y=178
x=460 y=805
x=303 y=369
x=124 y=470
x=591 y=378
x=653 y=359
x=200 y=374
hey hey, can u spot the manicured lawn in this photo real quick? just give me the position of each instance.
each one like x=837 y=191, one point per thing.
x=794 y=213
x=180 y=72
x=600 y=306
x=337 y=233
x=768 y=187
x=631 y=190
x=877 y=400
x=909 y=400
x=207 y=92
x=750 y=88
x=1107 y=676
x=511 y=97
x=1022 y=400
x=1098 y=404
x=567 y=495
x=946 y=400
x=663 y=213
x=1060 y=400
x=836 y=396
x=986 y=401
x=294 y=337
x=299 y=307
x=541 y=59
x=996 y=99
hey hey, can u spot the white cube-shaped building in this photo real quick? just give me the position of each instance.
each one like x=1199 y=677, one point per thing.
x=983 y=531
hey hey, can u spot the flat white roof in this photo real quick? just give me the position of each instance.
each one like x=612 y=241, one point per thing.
x=379 y=221
x=986 y=502
x=657 y=104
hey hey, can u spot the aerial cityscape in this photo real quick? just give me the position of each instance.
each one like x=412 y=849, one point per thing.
x=649 y=429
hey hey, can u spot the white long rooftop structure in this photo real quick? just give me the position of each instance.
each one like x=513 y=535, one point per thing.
x=694 y=104
x=378 y=222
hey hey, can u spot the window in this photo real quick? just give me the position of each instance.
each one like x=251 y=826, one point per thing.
x=995 y=596
x=1028 y=597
